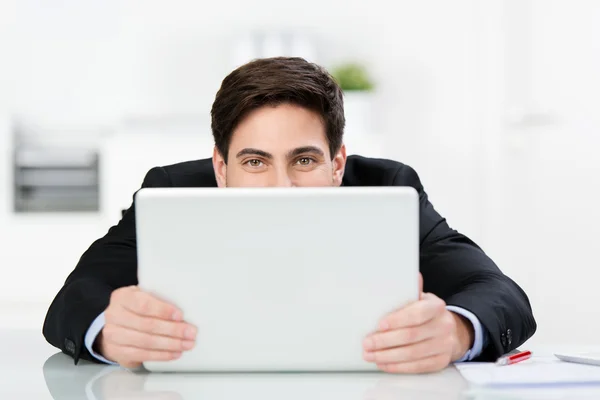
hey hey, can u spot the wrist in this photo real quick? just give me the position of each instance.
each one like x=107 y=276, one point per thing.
x=464 y=336
x=97 y=345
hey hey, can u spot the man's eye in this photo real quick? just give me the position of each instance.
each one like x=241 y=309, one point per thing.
x=305 y=161
x=254 y=163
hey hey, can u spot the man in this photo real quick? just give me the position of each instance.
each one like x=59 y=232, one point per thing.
x=279 y=122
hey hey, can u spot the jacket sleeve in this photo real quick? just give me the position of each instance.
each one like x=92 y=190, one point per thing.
x=455 y=269
x=108 y=264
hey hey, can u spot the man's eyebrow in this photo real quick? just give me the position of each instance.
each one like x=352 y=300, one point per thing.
x=254 y=152
x=304 y=150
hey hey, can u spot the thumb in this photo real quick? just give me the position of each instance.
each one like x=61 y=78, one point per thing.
x=420 y=286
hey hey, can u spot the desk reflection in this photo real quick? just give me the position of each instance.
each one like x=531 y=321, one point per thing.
x=96 y=382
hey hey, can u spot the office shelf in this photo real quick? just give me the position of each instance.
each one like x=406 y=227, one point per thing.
x=54 y=179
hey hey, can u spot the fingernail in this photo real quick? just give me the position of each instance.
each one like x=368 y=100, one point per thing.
x=176 y=355
x=384 y=326
x=368 y=344
x=177 y=316
x=190 y=333
x=188 y=344
x=368 y=356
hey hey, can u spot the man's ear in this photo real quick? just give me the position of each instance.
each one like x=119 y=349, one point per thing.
x=339 y=165
x=220 y=168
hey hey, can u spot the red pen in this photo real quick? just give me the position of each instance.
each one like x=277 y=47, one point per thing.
x=514 y=358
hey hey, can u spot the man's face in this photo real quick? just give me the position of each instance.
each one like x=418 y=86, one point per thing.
x=280 y=146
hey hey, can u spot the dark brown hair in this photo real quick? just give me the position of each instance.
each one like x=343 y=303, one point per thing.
x=274 y=81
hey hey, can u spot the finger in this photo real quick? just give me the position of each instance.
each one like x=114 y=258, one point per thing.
x=129 y=364
x=400 y=337
x=414 y=314
x=127 y=319
x=145 y=304
x=412 y=352
x=425 y=365
x=420 y=286
x=119 y=335
x=133 y=356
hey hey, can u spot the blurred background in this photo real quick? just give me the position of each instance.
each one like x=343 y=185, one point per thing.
x=494 y=103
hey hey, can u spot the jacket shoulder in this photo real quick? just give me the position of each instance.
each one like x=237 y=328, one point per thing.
x=365 y=171
x=195 y=173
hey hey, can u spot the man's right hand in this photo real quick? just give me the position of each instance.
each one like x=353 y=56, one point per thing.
x=139 y=327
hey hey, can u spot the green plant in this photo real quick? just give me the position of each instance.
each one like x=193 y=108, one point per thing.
x=352 y=77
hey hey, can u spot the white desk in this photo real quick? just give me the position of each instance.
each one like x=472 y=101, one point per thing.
x=30 y=368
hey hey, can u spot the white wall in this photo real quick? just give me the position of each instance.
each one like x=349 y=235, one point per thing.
x=542 y=223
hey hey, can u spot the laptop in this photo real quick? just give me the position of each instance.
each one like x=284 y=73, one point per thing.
x=278 y=279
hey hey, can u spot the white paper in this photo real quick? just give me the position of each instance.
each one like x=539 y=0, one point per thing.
x=553 y=392
x=546 y=371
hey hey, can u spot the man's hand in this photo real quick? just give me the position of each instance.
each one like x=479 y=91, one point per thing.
x=421 y=337
x=140 y=328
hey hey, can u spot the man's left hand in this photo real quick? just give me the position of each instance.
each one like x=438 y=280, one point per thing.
x=420 y=337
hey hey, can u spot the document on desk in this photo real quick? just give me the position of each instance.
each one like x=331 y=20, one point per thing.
x=534 y=372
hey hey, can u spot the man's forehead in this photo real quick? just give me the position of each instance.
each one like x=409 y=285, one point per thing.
x=282 y=124
x=290 y=138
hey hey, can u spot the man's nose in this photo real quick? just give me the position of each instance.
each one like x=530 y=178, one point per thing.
x=281 y=178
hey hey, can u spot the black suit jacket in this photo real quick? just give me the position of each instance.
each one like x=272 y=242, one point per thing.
x=453 y=267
